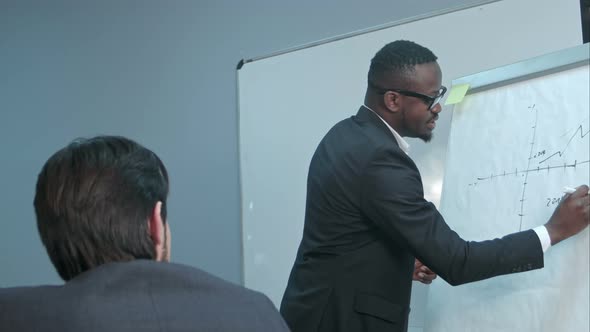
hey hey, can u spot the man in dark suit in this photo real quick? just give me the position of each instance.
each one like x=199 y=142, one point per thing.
x=366 y=218
x=101 y=214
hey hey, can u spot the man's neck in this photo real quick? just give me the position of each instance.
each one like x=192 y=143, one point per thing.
x=401 y=142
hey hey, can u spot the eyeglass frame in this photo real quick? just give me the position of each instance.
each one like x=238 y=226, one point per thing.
x=428 y=100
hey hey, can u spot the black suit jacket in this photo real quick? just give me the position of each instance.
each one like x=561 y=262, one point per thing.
x=138 y=296
x=366 y=220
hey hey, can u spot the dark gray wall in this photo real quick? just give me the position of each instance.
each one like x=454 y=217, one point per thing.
x=160 y=72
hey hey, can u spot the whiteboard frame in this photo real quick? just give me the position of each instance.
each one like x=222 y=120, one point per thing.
x=242 y=62
x=245 y=105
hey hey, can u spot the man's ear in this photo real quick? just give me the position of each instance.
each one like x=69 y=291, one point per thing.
x=156 y=229
x=392 y=101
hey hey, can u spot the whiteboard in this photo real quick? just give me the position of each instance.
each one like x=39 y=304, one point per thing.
x=507 y=176
x=287 y=102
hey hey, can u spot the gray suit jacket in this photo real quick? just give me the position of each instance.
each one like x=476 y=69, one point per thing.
x=366 y=219
x=140 y=295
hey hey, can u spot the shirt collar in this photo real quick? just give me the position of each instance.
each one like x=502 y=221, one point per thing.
x=400 y=140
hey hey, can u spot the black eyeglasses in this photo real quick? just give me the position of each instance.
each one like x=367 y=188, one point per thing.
x=428 y=100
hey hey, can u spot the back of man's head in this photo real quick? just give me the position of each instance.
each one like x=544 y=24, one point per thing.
x=93 y=201
x=396 y=60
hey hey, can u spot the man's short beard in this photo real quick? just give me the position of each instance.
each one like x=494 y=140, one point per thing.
x=426 y=137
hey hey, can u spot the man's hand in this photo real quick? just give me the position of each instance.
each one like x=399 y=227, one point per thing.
x=422 y=273
x=571 y=216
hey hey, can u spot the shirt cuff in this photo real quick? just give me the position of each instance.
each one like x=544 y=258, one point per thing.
x=543 y=235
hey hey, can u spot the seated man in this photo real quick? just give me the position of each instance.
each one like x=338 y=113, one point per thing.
x=101 y=214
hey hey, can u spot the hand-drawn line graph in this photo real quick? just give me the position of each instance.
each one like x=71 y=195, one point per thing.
x=580 y=129
x=534 y=154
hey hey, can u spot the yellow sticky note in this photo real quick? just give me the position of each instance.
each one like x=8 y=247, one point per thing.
x=457 y=93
